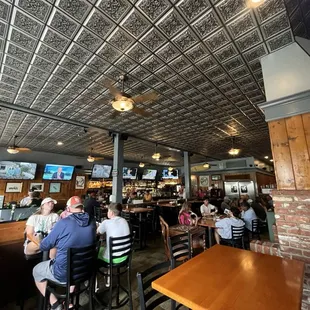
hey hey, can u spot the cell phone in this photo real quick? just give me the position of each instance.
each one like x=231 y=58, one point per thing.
x=226 y=211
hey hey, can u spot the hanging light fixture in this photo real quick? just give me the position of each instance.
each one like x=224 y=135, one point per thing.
x=12 y=150
x=122 y=104
x=206 y=165
x=90 y=159
x=170 y=168
x=141 y=165
x=233 y=151
x=156 y=155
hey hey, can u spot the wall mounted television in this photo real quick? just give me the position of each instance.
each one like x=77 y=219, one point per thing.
x=58 y=172
x=130 y=173
x=17 y=170
x=101 y=171
x=149 y=174
x=173 y=174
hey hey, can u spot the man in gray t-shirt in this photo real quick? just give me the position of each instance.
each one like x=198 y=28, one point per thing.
x=115 y=226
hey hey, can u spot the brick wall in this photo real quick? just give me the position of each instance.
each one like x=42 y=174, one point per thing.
x=292 y=212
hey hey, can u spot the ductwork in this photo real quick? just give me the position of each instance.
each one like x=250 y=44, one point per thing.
x=286 y=74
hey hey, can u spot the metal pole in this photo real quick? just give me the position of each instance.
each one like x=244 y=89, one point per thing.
x=187 y=174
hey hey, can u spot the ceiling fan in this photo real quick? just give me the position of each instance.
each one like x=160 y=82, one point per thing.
x=91 y=158
x=124 y=102
x=14 y=149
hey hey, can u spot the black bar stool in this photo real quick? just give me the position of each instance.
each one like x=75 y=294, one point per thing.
x=81 y=269
x=120 y=255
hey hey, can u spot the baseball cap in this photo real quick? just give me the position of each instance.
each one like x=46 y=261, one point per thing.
x=74 y=202
x=48 y=199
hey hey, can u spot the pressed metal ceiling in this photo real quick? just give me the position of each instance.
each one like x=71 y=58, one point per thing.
x=202 y=57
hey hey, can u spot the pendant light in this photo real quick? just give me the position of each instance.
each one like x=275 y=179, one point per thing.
x=156 y=155
x=233 y=151
x=206 y=165
x=170 y=168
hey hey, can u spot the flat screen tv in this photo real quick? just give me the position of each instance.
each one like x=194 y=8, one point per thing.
x=129 y=173
x=101 y=172
x=17 y=170
x=58 y=172
x=173 y=174
x=149 y=174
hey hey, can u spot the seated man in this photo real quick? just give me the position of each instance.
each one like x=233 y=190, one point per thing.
x=76 y=230
x=248 y=215
x=224 y=226
x=206 y=208
x=115 y=226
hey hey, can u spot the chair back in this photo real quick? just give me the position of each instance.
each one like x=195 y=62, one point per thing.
x=149 y=298
x=255 y=226
x=180 y=248
x=81 y=264
x=121 y=247
x=237 y=233
x=165 y=233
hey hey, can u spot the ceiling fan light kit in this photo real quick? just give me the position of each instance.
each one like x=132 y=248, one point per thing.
x=233 y=151
x=12 y=150
x=90 y=159
x=206 y=165
x=123 y=104
x=141 y=165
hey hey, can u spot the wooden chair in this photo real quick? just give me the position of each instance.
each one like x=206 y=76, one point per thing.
x=165 y=234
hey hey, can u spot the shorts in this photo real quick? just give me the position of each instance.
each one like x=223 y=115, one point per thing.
x=115 y=260
x=43 y=271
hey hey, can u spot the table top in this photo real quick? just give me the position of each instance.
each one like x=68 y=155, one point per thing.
x=223 y=277
x=169 y=205
x=206 y=223
x=138 y=210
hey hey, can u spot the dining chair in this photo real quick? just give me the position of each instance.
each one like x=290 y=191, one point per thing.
x=255 y=233
x=165 y=234
x=179 y=248
x=237 y=234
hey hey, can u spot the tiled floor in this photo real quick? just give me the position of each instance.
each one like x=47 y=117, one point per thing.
x=152 y=255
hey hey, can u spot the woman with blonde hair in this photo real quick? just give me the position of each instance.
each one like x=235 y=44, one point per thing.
x=39 y=224
x=186 y=216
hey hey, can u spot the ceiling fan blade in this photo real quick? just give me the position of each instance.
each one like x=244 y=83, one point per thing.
x=23 y=149
x=141 y=112
x=98 y=158
x=113 y=90
x=145 y=97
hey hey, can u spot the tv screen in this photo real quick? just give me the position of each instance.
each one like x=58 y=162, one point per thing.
x=101 y=171
x=58 y=172
x=130 y=173
x=17 y=170
x=173 y=174
x=149 y=174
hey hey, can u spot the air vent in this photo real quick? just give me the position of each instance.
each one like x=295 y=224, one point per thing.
x=236 y=164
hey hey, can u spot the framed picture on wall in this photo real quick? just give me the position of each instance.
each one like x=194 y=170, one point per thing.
x=80 y=182
x=55 y=187
x=14 y=187
x=204 y=181
x=39 y=187
x=216 y=177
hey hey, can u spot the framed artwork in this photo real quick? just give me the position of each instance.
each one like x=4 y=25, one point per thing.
x=55 y=187
x=216 y=177
x=39 y=187
x=204 y=181
x=80 y=182
x=14 y=187
x=244 y=189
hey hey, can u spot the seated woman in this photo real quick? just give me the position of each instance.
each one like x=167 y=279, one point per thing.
x=39 y=224
x=224 y=226
x=186 y=216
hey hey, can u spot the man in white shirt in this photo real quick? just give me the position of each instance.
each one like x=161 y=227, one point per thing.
x=207 y=208
x=248 y=215
x=115 y=226
x=224 y=226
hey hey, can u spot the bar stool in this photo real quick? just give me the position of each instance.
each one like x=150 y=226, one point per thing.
x=120 y=255
x=81 y=268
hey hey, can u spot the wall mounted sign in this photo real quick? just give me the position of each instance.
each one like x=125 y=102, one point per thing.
x=14 y=187
x=204 y=181
x=39 y=187
x=80 y=182
x=55 y=187
x=216 y=177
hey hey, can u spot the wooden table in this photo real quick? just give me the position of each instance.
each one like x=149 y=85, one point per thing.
x=209 y=224
x=223 y=278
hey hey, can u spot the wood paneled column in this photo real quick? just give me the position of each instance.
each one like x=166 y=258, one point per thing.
x=290 y=143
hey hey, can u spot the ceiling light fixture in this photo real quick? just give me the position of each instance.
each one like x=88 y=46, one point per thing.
x=233 y=151
x=12 y=150
x=255 y=3
x=156 y=155
x=90 y=159
x=206 y=165
x=141 y=165
x=60 y=143
x=271 y=160
x=122 y=104
x=170 y=168
x=266 y=157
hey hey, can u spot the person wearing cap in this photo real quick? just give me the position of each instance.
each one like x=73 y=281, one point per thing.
x=77 y=230
x=39 y=224
x=73 y=201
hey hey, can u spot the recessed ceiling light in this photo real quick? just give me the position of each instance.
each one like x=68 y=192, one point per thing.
x=266 y=157
x=60 y=143
x=271 y=160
